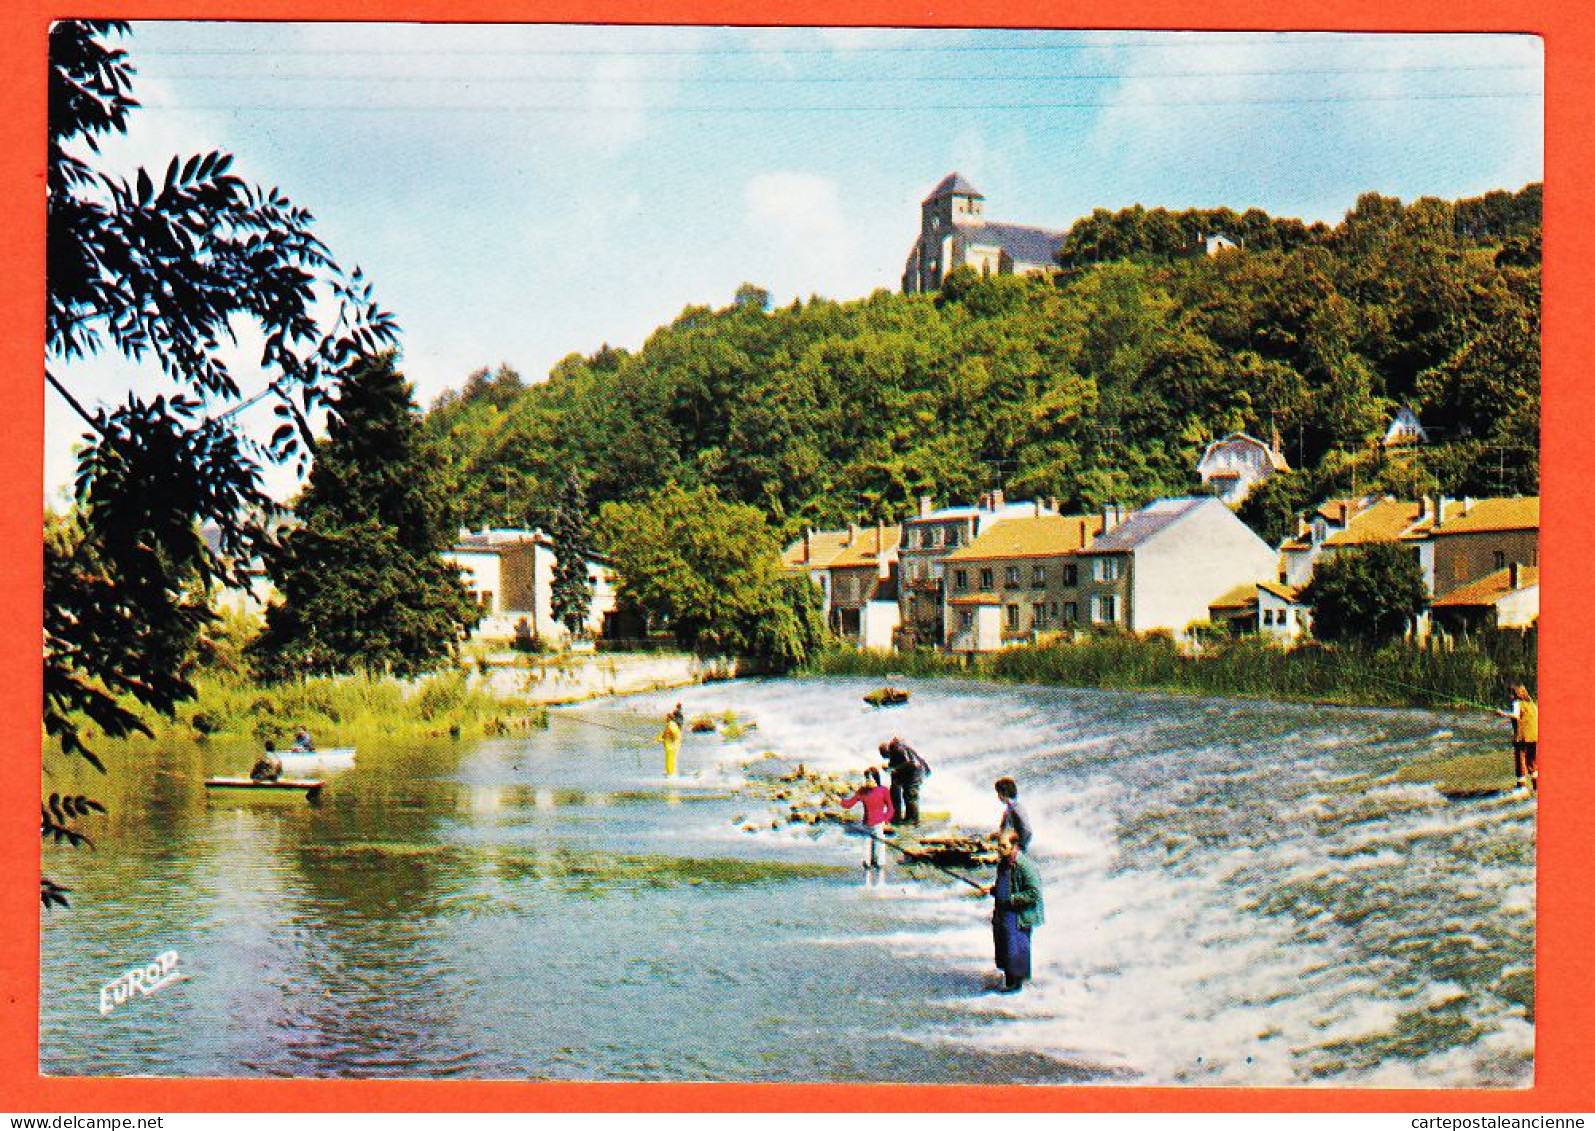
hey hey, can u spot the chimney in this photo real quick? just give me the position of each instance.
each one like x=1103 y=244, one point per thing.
x=1439 y=510
x=1110 y=517
x=996 y=499
x=1085 y=533
x=880 y=536
x=1514 y=577
x=1037 y=504
x=926 y=505
x=852 y=533
x=808 y=545
x=1425 y=508
x=1467 y=504
x=1052 y=503
x=1301 y=526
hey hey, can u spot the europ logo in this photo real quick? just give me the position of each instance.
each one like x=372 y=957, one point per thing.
x=144 y=980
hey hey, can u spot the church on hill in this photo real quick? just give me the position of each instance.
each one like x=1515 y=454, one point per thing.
x=954 y=232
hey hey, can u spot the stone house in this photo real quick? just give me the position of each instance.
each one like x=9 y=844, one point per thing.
x=510 y=576
x=1342 y=524
x=863 y=587
x=1237 y=463
x=1164 y=565
x=1484 y=536
x=953 y=233
x=927 y=538
x=1507 y=598
x=813 y=554
x=1018 y=579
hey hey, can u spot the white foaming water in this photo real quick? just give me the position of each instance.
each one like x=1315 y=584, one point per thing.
x=1237 y=893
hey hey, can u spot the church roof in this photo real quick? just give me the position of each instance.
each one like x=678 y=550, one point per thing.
x=954 y=184
x=1024 y=244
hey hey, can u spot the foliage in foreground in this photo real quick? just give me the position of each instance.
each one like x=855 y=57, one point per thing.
x=163 y=269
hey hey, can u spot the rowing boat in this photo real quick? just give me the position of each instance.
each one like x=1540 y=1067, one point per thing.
x=247 y=789
x=332 y=758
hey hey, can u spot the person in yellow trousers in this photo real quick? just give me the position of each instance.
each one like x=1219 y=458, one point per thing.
x=1525 y=716
x=671 y=737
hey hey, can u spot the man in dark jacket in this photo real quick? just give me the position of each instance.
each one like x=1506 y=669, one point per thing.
x=908 y=772
x=1018 y=911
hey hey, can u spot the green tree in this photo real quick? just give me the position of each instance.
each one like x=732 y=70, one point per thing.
x=1271 y=507
x=162 y=269
x=1367 y=594
x=364 y=583
x=571 y=593
x=710 y=570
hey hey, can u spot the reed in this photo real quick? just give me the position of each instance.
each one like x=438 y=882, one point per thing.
x=1443 y=671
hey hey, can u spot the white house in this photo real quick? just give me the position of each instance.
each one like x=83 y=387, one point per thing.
x=1405 y=429
x=510 y=575
x=1237 y=463
x=1163 y=567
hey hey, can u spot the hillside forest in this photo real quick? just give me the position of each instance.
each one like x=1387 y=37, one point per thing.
x=1100 y=385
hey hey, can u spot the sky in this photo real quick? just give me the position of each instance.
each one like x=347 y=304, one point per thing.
x=519 y=193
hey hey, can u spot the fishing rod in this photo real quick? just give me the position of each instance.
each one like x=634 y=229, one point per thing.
x=917 y=859
x=601 y=726
x=1431 y=691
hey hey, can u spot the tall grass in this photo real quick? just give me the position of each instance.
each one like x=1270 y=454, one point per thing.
x=1442 y=672
x=338 y=709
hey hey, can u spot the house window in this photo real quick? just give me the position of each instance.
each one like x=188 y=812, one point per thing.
x=952 y=536
x=1038 y=577
x=1071 y=612
x=960 y=579
x=1011 y=577
x=1500 y=559
x=1104 y=609
x=935 y=536
x=1268 y=617
x=1107 y=569
x=1071 y=574
x=986 y=581
x=966 y=620
x=1013 y=616
x=1038 y=615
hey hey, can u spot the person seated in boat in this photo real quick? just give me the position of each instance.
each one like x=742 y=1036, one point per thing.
x=303 y=743
x=269 y=767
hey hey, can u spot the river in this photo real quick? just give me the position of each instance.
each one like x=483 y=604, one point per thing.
x=1238 y=893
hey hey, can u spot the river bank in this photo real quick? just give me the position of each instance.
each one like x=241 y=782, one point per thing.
x=1240 y=893
x=1474 y=673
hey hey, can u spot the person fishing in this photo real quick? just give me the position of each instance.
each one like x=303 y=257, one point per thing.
x=878 y=813
x=1018 y=910
x=1525 y=716
x=671 y=738
x=303 y=743
x=269 y=767
x=1013 y=815
x=908 y=771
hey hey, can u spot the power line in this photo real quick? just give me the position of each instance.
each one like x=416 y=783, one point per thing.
x=806 y=80
x=885 y=108
x=1170 y=41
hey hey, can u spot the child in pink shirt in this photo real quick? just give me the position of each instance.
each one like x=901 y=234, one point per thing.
x=878 y=813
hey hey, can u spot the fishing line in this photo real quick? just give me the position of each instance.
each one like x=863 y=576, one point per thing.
x=915 y=858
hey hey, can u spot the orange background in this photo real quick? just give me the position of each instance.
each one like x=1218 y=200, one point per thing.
x=1565 y=1058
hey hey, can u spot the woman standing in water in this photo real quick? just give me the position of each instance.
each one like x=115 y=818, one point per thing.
x=671 y=737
